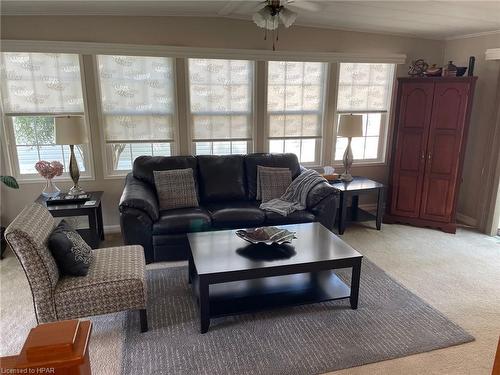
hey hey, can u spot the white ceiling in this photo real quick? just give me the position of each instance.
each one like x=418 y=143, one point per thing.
x=428 y=19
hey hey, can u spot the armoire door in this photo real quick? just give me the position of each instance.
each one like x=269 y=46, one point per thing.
x=415 y=111
x=443 y=150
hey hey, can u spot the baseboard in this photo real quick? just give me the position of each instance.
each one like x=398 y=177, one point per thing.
x=467 y=220
x=112 y=229
x=370 y=207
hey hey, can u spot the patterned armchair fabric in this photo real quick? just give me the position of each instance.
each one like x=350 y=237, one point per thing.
x=27 y=235
x=115 y=281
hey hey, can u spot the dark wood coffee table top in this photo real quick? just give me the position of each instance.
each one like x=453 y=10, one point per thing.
x=223 y=251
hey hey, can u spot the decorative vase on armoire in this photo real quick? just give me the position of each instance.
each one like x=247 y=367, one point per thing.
x=430 y=134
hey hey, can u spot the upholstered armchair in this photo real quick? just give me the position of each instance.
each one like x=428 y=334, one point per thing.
x=115 y=280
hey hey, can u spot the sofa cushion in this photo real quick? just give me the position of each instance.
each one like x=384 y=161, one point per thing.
x=304 y=216
x=240 y=214
x=221 y=178
x=145 y=165
x=289 y=161
x=175 y=189
x=182 y=220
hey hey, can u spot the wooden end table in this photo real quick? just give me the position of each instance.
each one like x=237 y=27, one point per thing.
x=353 y=189
x=95 y=233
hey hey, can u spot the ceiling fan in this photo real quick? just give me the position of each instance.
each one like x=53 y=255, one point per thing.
x=272 y=13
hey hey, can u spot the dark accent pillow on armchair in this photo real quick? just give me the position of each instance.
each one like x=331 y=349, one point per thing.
x=71 y=253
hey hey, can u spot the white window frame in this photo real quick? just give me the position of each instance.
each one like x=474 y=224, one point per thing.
x=260 y=130
x=189 y=115
x=108 y=172
x=9 y=141
x=324 y=112
x=384 y=126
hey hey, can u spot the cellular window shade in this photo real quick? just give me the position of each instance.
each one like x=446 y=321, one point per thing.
x=295 y=99
x=221 y=94
x=137 y=98
x=48 y=83
x=364 y=87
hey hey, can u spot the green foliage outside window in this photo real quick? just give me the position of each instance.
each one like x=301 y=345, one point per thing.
x=34 y=130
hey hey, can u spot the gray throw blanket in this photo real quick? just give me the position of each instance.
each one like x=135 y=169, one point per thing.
x=295 y=195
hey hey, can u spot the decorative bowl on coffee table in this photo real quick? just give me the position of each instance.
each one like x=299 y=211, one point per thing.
x=266 y=235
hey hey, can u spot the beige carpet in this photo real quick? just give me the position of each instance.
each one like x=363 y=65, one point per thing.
x=457 y=274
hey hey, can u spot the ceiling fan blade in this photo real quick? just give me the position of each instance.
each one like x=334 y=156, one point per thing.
x=303 y=5
x=258 y=6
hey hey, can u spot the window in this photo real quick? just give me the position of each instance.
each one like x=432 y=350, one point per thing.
x=36 y=87
x=34 y=139
x=295 y=101
x=137 y=108
x=365 y=89
x=221 y=105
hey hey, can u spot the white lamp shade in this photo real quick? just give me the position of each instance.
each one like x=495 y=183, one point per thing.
x=265 y=20
x=70 y=130
x=350 y=126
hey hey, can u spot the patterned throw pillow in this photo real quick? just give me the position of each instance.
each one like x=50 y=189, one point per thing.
x=176 y=189
x=72 y=254
x=272 y=182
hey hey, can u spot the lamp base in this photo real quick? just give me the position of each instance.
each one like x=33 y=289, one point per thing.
x=74 y=172
x=346 y=177
x=76 y=190
x=347 y=159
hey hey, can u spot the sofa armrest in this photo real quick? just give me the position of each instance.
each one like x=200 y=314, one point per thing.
x=138 y=195
x=323 y=201
x=318 y=193
x=138 y=211
x=137 y=229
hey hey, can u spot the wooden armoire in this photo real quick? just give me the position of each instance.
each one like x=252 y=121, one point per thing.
x=430 y=133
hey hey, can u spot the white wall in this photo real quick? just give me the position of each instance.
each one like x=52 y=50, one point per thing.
x=475 y=193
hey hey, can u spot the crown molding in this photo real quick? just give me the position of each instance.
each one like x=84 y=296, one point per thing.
x=492 y=54
x=474 y=35
x=92 y=48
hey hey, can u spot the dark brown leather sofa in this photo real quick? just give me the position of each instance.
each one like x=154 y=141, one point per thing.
x=226 y=187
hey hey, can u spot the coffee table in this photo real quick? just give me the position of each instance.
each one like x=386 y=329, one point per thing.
x=231 y=276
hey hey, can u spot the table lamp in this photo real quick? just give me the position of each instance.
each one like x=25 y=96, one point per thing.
x=349 y=126
x=70 y=130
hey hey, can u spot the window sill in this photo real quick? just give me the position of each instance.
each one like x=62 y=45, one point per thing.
x=116 y=176
x=362 y=164
x=38 y=180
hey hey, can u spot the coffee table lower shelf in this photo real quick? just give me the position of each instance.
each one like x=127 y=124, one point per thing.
x=237 y=297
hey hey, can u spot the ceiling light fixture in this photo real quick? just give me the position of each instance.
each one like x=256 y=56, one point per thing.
x=271 y=15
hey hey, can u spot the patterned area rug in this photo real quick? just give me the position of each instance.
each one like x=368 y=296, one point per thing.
x=390 y=322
